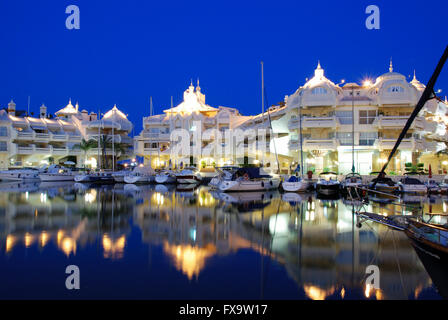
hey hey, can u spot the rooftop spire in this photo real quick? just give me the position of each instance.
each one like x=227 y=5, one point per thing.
x=319 y=72
x=391 y=67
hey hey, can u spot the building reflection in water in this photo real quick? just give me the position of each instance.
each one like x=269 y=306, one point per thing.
x=315 y=241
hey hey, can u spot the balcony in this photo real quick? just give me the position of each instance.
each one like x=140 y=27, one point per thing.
x=58 y=137
x=398 y=122
x=320 y=122
x=42 y=149
x=320 y=144
x=293 y=124
x=42 y=137
x=156 y=136
x=74 y=138
x=24 y=135
x=406 y=144
x=25 y=150
x=59 y=151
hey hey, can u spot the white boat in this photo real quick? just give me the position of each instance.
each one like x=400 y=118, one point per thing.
x=444 y=185
x=295 y=184
x=433 y=186
x=189 y=175
x=19 y=175
x=351 y=181
x=224 y=173
x=57 y=173
x=96 y=177
x=328 y=184
x=140 y=175
x=119 y=175
x=412 y=185
x=165 y=177
x=249 y=179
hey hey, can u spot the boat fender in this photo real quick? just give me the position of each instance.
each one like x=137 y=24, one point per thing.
x=262 y=184
x=271 y=183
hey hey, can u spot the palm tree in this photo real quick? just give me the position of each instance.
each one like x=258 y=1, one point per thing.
x=106 y=142
x=120 y=149
x=85 y=145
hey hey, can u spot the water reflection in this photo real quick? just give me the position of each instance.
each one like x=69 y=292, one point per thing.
x=301 y=246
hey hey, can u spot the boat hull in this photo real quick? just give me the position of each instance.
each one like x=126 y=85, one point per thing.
x=327 y=189
x=48 y=177
x=16 y=176
x=299 y=186
x=188 y=179
x=138 y=179
x=257 y=185
x=165 y=179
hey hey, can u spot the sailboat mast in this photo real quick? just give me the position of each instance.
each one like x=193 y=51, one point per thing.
x=265 y=99
x=301 y=141
x=353 y=130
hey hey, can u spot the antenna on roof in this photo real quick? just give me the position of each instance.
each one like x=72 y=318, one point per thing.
x=150 y=106
x=29 y=99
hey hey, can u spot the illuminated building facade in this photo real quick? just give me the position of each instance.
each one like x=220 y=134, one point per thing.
x=380 y=110
x=27 y=141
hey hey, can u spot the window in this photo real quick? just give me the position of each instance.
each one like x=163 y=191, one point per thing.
x=367 y=116
x=3 y=131
x=319 y=91
x=3 y=146
x=395 y=89
x=345 y=138
x=345 y=117
x=154 y=130
x=367 y=138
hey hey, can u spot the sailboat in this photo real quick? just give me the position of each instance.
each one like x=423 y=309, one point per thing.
x=296 y=183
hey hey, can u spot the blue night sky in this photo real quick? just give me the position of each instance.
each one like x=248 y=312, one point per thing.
x=127 y=51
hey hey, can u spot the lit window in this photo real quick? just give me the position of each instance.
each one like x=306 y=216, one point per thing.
x=345 y=138
x=367 y=138
x=367 y=116
x=319 y=91
x=395 y=89
x=344 y=117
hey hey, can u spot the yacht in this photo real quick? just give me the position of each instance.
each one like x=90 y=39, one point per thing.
x=295 y=184
x=165 y=177
x=119 y=175
x=383 y=187
x=444 y=185
x=433 y=186
x=412 y=185
x=250 y=179
x=96 y=177
x=327 y=184
x=351 y=182
x=57 y=173
x=189 y=175
x=140 y=175
x=224 y=173
x=19 y=175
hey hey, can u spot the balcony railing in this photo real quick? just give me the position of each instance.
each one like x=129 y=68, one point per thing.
x=398 y=122
x=406 y=144
x=320 y=122
x=320 y=144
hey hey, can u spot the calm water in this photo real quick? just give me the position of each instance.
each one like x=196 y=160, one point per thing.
x=154 y=242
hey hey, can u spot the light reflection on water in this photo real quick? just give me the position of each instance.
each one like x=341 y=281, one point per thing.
x=158 y=242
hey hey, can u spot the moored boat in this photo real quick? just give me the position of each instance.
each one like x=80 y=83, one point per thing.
x=249 y=179
x=351 y=182
x=165 y=177
x=384 y=187
x=140 y=175
x=432 y=186
x=412 y=185
x=295 y=184
x=19 y=175
x=57 y=173
x=189 y=175
x=224 y=173
x=328 y=184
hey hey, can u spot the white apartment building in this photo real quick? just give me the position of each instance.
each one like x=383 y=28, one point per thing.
x=372 y=114
x=27 y=141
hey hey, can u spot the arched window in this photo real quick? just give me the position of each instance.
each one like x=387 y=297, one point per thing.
x=319 y=91
x=395 y=89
